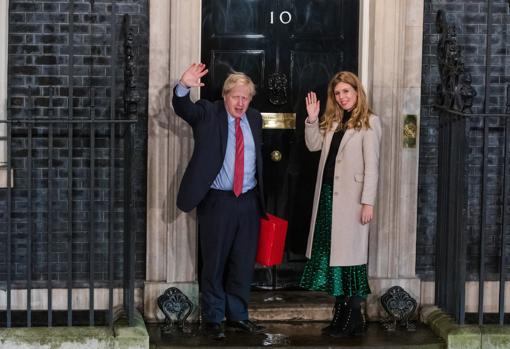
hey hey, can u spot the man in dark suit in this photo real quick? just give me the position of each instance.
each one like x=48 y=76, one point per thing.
x=223 y=181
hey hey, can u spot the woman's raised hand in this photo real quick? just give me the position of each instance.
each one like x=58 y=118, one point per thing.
x=312 y=106
x=191 y=77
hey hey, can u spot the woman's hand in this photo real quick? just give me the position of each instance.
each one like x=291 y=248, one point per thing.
x=312 y=107
x=191 y=77
x=367 y=213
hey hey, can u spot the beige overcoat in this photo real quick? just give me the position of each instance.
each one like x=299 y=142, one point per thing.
x=355 y=183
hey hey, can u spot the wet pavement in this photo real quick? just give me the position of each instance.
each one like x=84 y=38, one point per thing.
x=304 y=334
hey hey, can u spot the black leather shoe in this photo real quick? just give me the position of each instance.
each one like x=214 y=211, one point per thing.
x=213 y=330
x=245 y=326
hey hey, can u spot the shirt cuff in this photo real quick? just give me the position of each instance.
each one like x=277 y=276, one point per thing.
x=181 y=90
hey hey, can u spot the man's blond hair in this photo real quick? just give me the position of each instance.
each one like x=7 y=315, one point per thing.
x=235 y=79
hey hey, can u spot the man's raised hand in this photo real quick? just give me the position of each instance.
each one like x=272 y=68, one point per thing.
x=191 y=77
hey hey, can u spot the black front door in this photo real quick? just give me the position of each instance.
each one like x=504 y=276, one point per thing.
x=288 y=47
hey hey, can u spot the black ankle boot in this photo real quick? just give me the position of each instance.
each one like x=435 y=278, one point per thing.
x=352 y=323
x=339 y=311
x=360 y=326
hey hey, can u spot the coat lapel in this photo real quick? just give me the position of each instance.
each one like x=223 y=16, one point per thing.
x=345 y=139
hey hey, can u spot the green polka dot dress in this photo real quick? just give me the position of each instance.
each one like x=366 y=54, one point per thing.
x=318 y=275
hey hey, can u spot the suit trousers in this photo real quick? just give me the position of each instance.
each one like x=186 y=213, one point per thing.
x=228 y=229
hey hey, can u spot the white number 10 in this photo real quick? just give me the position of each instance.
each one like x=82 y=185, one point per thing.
x=285 y=17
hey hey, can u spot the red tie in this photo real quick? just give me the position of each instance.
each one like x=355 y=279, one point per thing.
x=239 y=161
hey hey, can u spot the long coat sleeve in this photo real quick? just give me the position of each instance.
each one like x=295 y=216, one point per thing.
x=354 y=184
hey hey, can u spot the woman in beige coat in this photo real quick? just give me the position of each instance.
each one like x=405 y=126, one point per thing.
x=348 y=136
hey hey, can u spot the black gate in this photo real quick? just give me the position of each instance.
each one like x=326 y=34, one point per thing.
x=473 y=234
x=66 y=217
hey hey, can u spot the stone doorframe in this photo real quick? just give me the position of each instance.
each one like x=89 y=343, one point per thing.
x=390 y=68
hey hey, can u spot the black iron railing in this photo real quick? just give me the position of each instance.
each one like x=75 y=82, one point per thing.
x=472 y=210
x=473 y=233
x=451 y=214
x=116 y=207
x=66 y=220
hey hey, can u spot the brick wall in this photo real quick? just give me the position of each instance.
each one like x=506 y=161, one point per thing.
x=470 y=19
x=39 y=87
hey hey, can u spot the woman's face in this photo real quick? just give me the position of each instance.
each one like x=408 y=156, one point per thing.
x=345 y=96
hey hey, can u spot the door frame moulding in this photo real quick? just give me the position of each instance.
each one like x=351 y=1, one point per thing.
x=4 y=38
x=171 y=52
x=365 y=44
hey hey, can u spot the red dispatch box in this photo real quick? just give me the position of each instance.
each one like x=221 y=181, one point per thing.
x=271 y=240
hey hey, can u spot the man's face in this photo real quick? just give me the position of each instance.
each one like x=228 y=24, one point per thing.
x=237 y=100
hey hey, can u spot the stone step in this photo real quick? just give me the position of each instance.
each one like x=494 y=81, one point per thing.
x=302 y=334
x=290 y=306
x=295 y=319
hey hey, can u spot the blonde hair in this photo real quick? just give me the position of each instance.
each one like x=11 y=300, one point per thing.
x=334 y=113
x=237 y=78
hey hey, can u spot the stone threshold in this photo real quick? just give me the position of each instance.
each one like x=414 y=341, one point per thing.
x=295 y=319
x=290 y=306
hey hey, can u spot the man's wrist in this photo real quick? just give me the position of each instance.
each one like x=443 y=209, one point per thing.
x=181 y=90
x=183 y=84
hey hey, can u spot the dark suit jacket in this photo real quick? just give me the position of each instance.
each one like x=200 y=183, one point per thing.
x=209 y=122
